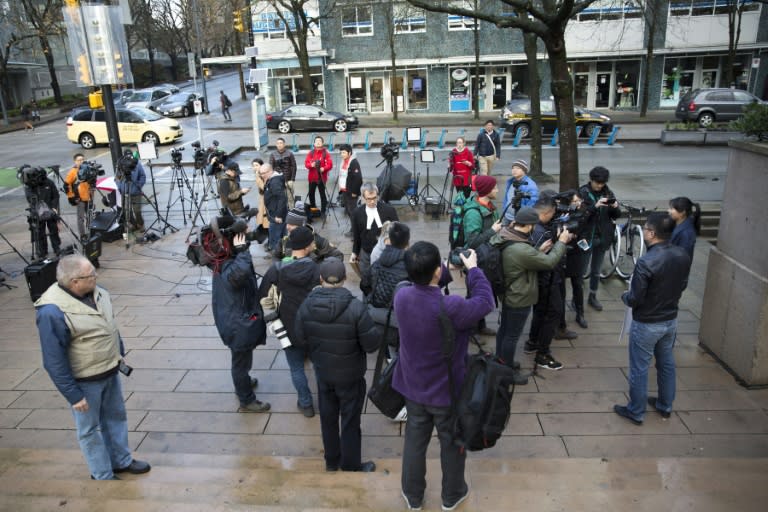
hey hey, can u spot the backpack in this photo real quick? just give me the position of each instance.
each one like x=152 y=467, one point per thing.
x=456 y=228
x=227 y=102
x=489 y=260
x=482 y=410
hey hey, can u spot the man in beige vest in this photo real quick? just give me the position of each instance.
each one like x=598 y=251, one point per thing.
x=82 y=353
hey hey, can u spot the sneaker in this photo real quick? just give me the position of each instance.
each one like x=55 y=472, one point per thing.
x=457 y=503
x=308 y=411
x=530 y=348
x=255 y=406
x=548 y=362
x=652 y=402
x=410 y=505
x=565 y=334
x=624 y=412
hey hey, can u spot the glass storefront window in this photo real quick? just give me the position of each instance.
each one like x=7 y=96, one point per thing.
x=358 y=99
x=460 y=100
x=627 y=74
x=417 y=90
x=677 y=80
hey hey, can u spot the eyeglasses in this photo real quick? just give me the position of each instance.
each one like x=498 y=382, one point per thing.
x=367 y=199
x=90 y=276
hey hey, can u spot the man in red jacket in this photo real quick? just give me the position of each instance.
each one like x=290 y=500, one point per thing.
x=319 y=164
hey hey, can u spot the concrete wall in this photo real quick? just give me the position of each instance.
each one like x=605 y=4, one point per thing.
x=734 y=317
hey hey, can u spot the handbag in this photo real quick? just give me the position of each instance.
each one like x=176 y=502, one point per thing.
x=386 y=399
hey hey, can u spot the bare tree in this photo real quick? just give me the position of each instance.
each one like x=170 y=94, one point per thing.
x=548 y=20
x=735 y=10
x=11 y=41
x=44 y=17
x=172 y=32
x=299 y=25
x=534 y=93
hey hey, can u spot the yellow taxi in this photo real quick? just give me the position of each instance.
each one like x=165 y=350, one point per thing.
x=88 y=127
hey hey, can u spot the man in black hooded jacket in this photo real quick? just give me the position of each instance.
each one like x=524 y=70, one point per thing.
x=338 y=331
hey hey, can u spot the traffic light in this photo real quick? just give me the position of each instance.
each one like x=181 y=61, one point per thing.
x=237 y=21
x=95 y=100
x=84 y=71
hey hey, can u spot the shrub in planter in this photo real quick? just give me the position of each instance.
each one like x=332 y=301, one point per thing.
x=754 y=123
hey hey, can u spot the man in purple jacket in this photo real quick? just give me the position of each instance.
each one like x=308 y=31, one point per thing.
x=421 y=374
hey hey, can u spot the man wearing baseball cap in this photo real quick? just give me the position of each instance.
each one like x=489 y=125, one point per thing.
x=520 y=263
x=294 y=279
x=338 y=331
x=323 y=248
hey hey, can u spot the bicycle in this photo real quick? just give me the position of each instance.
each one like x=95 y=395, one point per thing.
x=629 y=244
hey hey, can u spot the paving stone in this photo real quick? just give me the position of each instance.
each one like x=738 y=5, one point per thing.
x=157 y=312
x=178 y=359
x=142 y=343
x=177 y=401
x=643 y=445
x=8 y=397
x=188 y=344
x=220 y=381
x=56 y=419
x=582 y=379
x=20 y=359
x=204 y=422
x=607 y=423
x=143 y=379
x=236 y=444
x=40 y=400
x=63 y=438
x=721 y=399
x=10 y=418
x=12 y=378
x=724 y=422
x=181 y=331
x=585 y=401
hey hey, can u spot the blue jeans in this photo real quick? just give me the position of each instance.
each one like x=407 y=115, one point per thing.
x=102 y=430
x=422 y=419
x=276 y=233
x=511 y=327
x=598 y=255
x=647 y=341
x=295 y=357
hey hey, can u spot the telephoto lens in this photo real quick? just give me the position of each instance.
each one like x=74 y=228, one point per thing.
x=277 y=328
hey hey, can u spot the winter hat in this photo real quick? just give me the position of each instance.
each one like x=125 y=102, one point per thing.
x=332 y=270
x=521 y=164
x=300 y=238
x=296 y=217
x=484 y=185
x=526 y=216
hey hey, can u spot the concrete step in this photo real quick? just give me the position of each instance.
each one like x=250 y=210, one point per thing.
x=43 y=480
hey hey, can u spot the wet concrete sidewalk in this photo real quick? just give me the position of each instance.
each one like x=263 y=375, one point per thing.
x=181 y=412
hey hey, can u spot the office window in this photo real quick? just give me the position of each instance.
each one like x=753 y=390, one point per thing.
x=408 y=19
x=356 y=21
x=461 y=22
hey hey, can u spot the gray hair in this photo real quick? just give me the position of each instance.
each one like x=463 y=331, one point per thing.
x=369 y=187
x=71 y=267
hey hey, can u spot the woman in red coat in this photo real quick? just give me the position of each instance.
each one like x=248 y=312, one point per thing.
x=319 y=164
x=461 y=164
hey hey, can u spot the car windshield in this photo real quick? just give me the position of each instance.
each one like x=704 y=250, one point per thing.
x=179 y=97
x=146 y=114
x=140 y=96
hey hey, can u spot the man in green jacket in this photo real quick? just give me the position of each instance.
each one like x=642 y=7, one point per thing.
x=520 y=262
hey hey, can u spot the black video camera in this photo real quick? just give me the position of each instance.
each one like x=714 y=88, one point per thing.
x=126 y=166
x=31 y=176
x=517 y=199
x=454 y=257
x=390 y=151
x=89 y=171
x=176 y=155
x=201 y=155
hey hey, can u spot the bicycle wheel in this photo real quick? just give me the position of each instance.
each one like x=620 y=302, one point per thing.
x=611 y=256
x=634 y=248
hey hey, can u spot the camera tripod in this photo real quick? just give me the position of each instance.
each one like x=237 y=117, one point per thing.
x=153 y=203
x=332 y=205
x=179 y=180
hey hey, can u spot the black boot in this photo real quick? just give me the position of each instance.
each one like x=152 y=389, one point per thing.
x=592 y=301
x=581 y=320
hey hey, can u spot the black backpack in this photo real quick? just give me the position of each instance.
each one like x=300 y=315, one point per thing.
x=481 y=412
x=489 y=260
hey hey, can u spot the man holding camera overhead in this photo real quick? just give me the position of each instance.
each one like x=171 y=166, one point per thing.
x=82 y=353
x=78 y=194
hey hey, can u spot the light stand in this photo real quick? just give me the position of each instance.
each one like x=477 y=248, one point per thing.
x=332 y=205
x=428 y=157
x=413 y=134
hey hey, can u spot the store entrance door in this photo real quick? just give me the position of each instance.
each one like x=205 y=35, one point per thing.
x=376 y=94
x=499 y=83
x=603 y=90
x=581 y=89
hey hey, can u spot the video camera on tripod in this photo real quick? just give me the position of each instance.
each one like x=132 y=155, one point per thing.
x=126 y=166
x=89 y=171
x=31 y=176
x=176 y=155
x=519 y=195
x=390 y=151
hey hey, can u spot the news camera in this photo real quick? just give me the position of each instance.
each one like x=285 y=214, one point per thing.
x=519 y=195
x=390 y=151
x=126 y=166
x=89 y=171
x=31 y=176
x=176 y=155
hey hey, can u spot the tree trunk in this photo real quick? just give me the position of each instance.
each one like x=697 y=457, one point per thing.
x=650 y=30
x=475 y=88
x=534 y=85
x=393 y=80
x=51 y=69
x=562 y=90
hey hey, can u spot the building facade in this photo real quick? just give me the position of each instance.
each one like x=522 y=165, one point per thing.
x=435 y=56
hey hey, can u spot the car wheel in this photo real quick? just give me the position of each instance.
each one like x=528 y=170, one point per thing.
x=185 y=111
x=87 y=141
x=524 y=129
x=340 y=125
x=706 y=119
x=590 y=128
x=151 y=137
x=284 y=127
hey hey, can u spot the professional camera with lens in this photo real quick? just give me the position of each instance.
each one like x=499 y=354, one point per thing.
x=126 y=166
x=390 y=151
x=176 y=155
x=31 y=176
x=569 y=216
x=201 y=156
x=89 y=171
x=454 y=257
x=517 y=198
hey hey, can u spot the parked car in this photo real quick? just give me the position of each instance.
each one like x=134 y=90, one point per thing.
x=706 y=106
x=173 y=89
x=517 y=114
x=120 y=97
x=180 y=104
x=147 y=98
x=310 y=117
x=88 y=127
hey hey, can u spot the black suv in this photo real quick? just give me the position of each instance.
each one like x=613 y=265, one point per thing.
x=516 y=114
x=706 y=106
